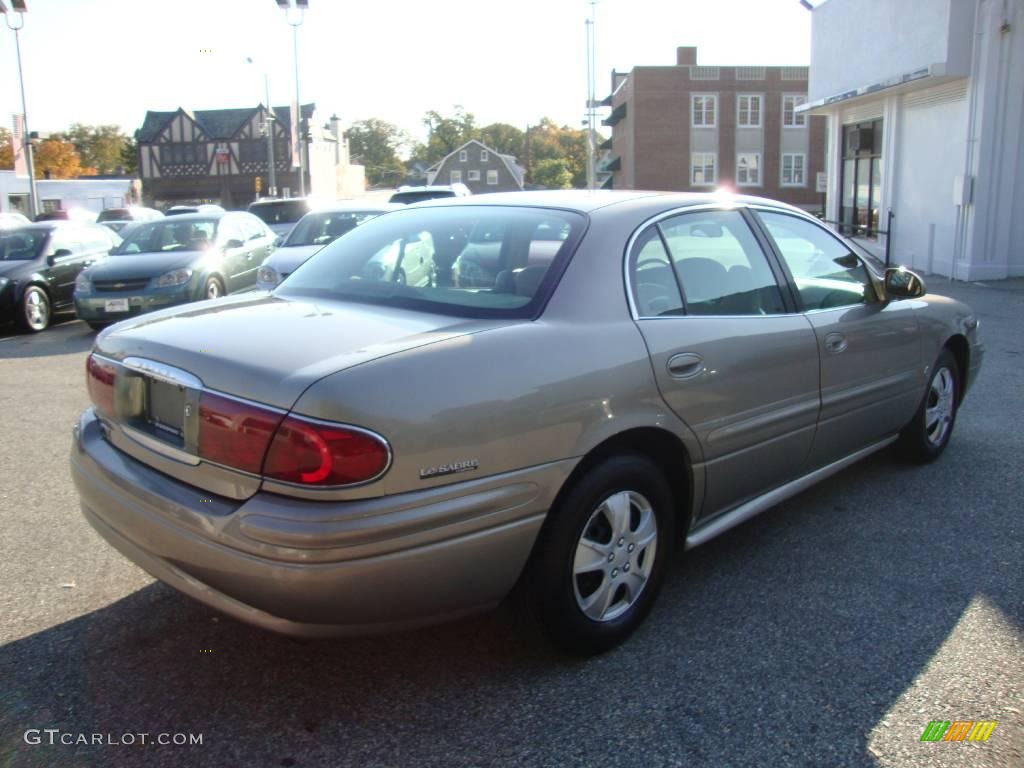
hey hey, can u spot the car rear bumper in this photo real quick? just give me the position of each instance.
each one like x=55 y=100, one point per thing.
x=319 y=568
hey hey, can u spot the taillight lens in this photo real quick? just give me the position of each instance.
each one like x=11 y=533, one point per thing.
x=317 y=454
x=99 y=379
x=234 y=433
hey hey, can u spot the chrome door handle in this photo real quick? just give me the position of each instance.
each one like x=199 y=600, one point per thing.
x=685 y=365
x=835 y=343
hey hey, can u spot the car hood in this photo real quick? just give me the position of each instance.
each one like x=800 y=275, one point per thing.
x=142 y=265
x=285 y=260
x=270 y=349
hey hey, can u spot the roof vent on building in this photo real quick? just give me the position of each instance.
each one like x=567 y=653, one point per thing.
x=750 y=73
x=794 y=73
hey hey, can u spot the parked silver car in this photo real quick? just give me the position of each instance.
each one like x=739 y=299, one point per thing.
x=354 y=453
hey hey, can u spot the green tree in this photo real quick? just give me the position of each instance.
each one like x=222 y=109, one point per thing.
x=130 y=156
x=376 y=144
x=99 y=146
x=550 y=141
x=505 y=138
x=446 y=134
x=552 y=173
x=6 y=151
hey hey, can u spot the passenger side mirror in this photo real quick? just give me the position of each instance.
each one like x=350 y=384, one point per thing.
x=233 y=243
x=902 y=283
x=278 y=240
x=54 y=257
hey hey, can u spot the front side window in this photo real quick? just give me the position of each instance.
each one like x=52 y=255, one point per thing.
x=793 y=173
x=748 y=169
x=467 y=261
x=703 y=108
x=456 y=177
x=748 y=111
x=718 y=264
x=826 y=272
x=702 y=169
x=790 y=117
x=22 y=244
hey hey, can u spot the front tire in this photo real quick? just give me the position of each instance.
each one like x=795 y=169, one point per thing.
x=928 y=434
x=35 y=310
x=603 y=555
x=213 y=289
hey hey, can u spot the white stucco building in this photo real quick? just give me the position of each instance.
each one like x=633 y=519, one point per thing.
x=925 y=108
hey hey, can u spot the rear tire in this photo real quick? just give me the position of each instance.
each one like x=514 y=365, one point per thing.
x=35 y=311
x=602 y=555
x=927 y=435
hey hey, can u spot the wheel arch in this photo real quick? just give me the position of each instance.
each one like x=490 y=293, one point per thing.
x=665 y=449
x=961 y=349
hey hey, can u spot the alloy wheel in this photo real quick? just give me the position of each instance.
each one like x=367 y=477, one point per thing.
x=938 y=414
x=37 y=309
x=614 y=556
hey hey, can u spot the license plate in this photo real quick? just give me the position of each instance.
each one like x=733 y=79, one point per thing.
x=116 y=305
x=165 y=406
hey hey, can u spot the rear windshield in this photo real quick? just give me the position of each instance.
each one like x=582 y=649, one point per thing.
x=168 y=235
x=281 y=212
x=406 y=198
x=468 y=261
x=22 y=244
x=115 y=214
x=325 y=227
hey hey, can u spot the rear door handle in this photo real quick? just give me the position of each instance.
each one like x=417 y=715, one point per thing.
x=835 y=343
x=685 y=365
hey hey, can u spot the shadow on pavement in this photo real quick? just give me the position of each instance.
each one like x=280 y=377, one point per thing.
x=64 y=337
x=781 y=643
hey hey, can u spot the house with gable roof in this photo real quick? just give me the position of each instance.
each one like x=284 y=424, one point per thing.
x=217 y=155
x=480 y=168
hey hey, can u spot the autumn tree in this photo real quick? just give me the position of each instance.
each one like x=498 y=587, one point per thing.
x=446 y=133
x=58 y=158
x=376 y=144
x=6 y=151
x=552 y=173
x=550 y=141
x=130 y=156
x=504 y=138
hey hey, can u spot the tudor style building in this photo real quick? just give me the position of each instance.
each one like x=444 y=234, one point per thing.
x=217 y=155
x=480 y=168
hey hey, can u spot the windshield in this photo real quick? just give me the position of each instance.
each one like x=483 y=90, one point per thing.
x=114 y=214
x=406 y=198
x=469 y=261
x=173 y=235
x=325 y=227
x=22 y=244
x=281 y=212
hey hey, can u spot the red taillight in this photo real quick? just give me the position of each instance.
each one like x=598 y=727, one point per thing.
x=316 y=454
x=99 y=379
x=234 y=433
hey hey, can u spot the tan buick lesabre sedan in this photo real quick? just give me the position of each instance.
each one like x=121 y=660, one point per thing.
x=572 y=386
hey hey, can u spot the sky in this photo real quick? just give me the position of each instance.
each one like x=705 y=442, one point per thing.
x=108 y=61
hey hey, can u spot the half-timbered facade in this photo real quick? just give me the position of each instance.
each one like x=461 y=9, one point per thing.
x=220 y=155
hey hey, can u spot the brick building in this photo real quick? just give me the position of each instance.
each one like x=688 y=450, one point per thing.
x=697 y=128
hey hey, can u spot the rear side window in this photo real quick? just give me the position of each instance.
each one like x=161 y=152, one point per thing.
x=655 y=288
x=827 y=273
x=469 y=261
x=719 y=265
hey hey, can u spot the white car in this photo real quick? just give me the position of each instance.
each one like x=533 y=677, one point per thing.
x=312 y=232
x=13 y=220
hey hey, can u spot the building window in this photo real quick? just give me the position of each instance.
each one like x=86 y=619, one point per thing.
x=463 y=156
x=748 y=111
x=49 y=206
x=702 y=169
x=492 y=177
x=793 y=170
x=484 y=155
x=790 y=117
x=748 y=169
x=456 y=177
x=252 y=151
x=703 y=108
x=861 y=182
x=473 y=176
x=179 y=153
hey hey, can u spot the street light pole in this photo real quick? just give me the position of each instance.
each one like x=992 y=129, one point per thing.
x=33 y=195
x=591 y=95
x=268 y=126
x=294 y=11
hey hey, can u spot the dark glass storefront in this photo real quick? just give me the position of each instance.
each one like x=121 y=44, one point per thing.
x=861 y=181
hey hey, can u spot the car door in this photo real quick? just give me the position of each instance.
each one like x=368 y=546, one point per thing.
x=872 y=377
x=259 y=243
x=234 y=255
x=61 y=265
x=731 y=356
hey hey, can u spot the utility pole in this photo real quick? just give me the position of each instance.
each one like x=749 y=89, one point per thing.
x=295 y=12
x=591 y=97
x=19 y=8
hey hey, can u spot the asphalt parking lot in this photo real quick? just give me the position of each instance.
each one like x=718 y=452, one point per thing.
x=827 y=632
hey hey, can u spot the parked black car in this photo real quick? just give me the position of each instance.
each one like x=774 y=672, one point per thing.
x=39 y=264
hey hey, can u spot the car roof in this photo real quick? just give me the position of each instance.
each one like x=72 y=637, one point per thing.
x=357 y=206
x=585 y=201
x=57 y=224
x=200 y=216
x=272 y=200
